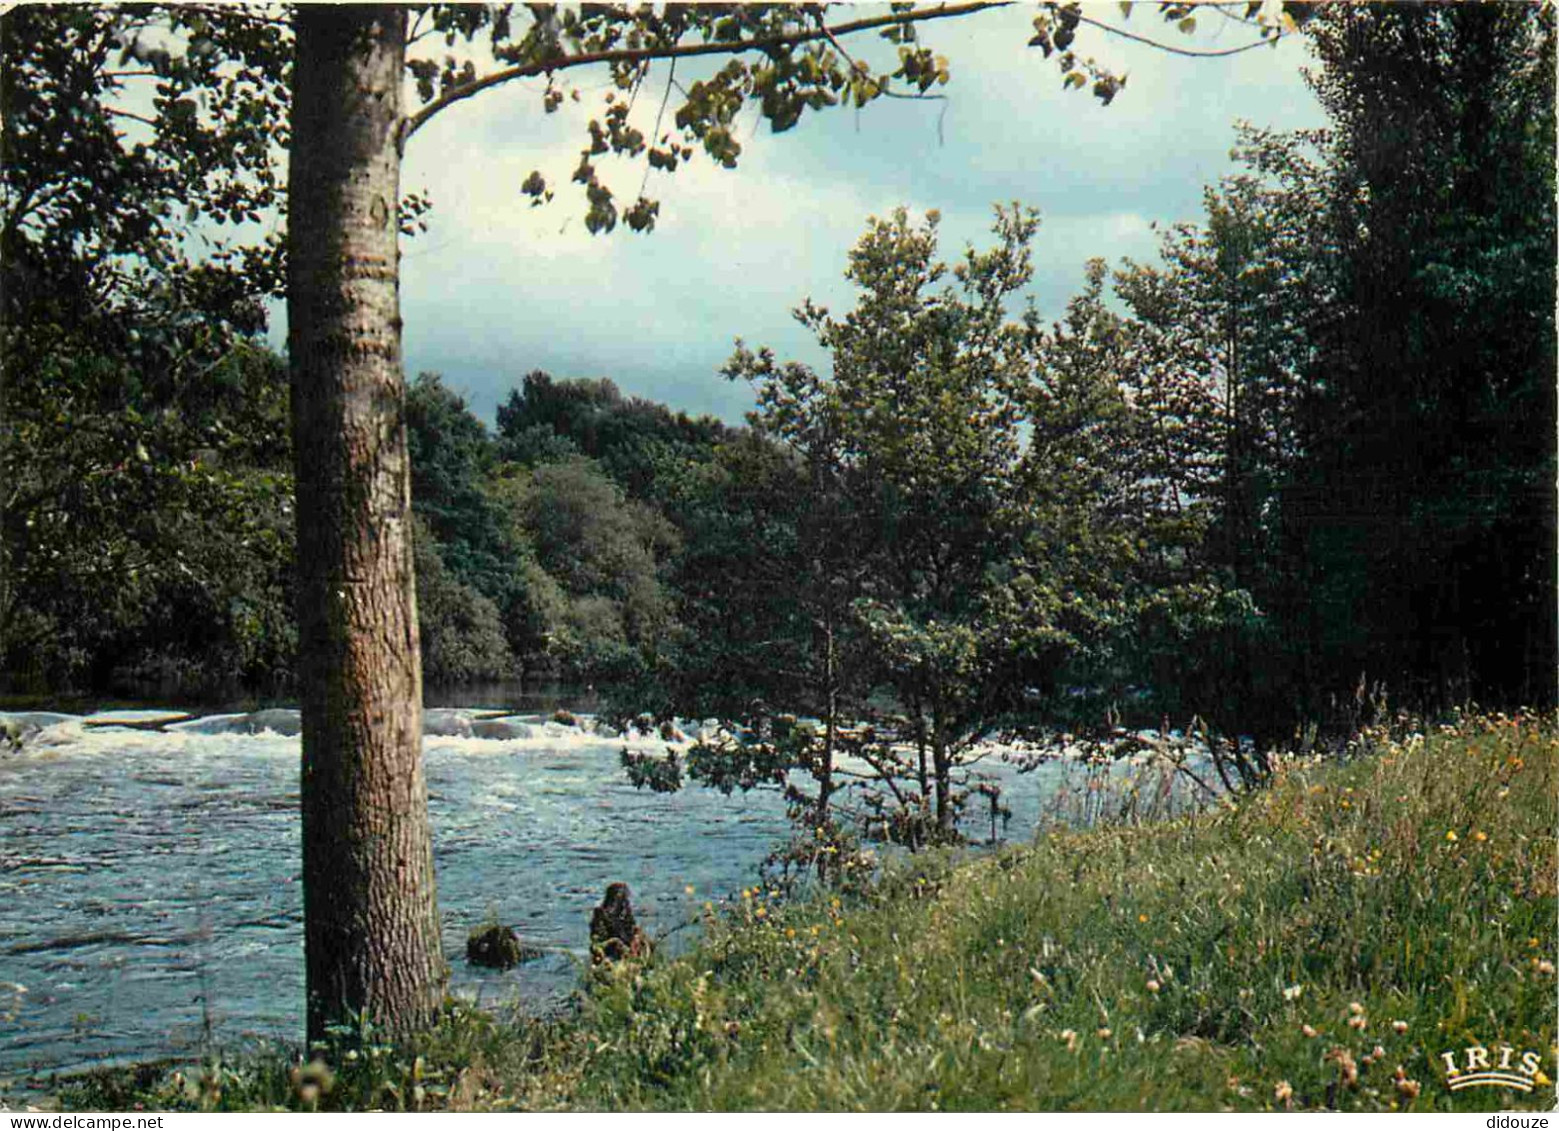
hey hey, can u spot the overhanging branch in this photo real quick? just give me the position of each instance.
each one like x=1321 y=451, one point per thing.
x=683 y=51
x=1189 y=52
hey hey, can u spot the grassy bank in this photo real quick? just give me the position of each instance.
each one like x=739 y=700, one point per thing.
x=1318 y=945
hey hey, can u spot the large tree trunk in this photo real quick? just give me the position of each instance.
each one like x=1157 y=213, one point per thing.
x=371 y=922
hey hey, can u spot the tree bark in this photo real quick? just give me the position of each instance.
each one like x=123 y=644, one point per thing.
x=371 y=921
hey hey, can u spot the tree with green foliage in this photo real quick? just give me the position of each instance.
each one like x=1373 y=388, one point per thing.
x=453 y=458
x=741 y=637
x=965 y=538
x=146 y=522
x=1426 y=506
x=1350 y=353
x=643 y=446
x=461 y=629
x=1218 y=350
x=480 y=543
x=604 y=557
x=923 y=411
x=148 y=537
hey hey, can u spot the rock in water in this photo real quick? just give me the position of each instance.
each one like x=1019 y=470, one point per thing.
x=613 y=933
x=499 y=947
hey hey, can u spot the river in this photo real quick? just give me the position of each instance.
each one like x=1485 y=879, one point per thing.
x=149 y=891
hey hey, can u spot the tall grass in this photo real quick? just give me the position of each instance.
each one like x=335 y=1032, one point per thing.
x=1317 y=945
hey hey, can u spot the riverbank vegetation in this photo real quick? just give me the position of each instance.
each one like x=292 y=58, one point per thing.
x=1316 y=946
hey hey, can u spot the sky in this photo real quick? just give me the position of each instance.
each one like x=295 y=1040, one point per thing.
x=496 y=288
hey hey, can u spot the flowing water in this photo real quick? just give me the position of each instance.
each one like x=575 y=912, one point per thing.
x=149 y=891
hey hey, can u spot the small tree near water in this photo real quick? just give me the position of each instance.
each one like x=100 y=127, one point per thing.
x=963 y=535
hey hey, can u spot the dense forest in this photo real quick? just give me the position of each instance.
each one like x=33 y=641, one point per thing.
x=1302 y=459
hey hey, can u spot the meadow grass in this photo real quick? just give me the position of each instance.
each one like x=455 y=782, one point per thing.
x=1315 y=945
